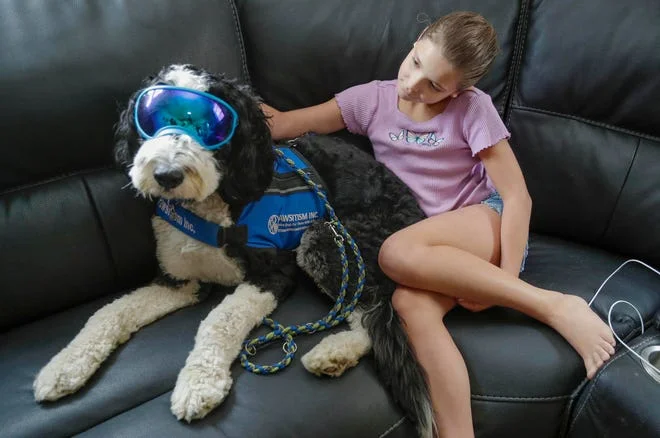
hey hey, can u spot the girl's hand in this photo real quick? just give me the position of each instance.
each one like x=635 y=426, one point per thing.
x=275 y=121
x=471 y=305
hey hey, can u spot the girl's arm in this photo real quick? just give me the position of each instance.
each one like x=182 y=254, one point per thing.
x=504 y=171
x=321 y=119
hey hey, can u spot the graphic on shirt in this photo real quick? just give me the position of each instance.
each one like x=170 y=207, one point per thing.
x=428 y=139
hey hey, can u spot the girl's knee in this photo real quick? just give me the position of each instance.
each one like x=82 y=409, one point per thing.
x=394 y=256
x=388 y=254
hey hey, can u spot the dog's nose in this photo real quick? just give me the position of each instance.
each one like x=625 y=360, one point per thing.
x=168 y=177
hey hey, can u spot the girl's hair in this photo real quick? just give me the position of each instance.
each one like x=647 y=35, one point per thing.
x=468 y=41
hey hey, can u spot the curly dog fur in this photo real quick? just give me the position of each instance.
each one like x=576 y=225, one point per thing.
x=369 y=200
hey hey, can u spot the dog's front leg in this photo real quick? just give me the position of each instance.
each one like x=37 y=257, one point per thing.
x=205 y=380
x=111 y=326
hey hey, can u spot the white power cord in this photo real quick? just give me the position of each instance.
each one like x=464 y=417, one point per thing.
x=609 y=313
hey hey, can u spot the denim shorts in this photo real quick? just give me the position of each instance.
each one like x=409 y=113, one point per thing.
x=495 y=202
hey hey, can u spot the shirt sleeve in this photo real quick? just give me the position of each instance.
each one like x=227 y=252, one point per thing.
x=483 y=126
x=357 y=106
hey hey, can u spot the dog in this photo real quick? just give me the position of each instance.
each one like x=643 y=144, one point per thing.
x=206 y=170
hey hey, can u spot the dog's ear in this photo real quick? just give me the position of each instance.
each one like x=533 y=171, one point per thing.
x=250 y=160
x=126 y=140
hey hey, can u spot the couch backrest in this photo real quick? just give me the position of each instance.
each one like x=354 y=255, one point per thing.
x=302 y=52
x=585 y=121
x=576 y=82
x=68 y=233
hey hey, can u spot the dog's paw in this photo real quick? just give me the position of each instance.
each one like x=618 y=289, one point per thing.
x=336 y=353
x=199 y=389
x=64 y=374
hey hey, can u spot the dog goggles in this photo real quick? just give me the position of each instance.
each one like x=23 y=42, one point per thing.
x=165 y=110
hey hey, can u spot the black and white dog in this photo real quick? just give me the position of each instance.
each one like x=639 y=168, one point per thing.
x=200 y=144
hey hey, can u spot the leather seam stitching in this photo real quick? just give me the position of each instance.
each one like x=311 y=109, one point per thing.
x=63 y=176
x=99 y=219
x=623 y=185
x=517 y=61
x=514 y=398
x=112 y=416
x=587 y=121
x=239 y=36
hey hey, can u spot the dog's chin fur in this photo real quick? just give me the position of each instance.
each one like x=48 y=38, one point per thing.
x=201 y=171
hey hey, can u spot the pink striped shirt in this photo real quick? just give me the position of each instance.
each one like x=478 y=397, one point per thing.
x=436 y=158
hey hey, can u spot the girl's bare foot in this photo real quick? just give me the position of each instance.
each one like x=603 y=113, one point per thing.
x=572 y=317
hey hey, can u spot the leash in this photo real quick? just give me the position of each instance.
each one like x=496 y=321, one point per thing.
x=339 y=312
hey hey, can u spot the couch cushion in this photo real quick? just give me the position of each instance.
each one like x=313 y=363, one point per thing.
x=71 y=240
x=574 y=172
x=521 y=391
x=634 y=225
x=590 y=183
x=129 y=395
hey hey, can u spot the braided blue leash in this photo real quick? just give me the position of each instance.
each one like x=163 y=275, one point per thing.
x=337 y=314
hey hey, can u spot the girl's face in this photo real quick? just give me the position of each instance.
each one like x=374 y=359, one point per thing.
x=425 y=76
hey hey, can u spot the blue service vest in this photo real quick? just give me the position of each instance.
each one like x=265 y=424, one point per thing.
x=276 y=220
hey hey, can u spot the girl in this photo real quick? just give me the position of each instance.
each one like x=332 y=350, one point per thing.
x=444 y=138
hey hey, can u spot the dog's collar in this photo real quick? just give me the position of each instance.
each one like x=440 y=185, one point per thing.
x=198 y=228
x=277 y=220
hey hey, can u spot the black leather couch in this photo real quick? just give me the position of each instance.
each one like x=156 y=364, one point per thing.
x=577 y=83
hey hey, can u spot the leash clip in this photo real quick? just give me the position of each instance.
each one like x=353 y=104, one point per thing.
x=287 y=350
x=250 y=349
x=339 y=239
x=293 y=143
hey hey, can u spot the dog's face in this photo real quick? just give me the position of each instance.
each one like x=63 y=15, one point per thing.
x=173 y=164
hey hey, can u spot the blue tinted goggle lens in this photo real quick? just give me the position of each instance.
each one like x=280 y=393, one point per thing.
x=167 y=109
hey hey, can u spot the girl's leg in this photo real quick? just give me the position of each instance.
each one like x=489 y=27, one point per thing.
x=445 y=254
x=422 y=313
